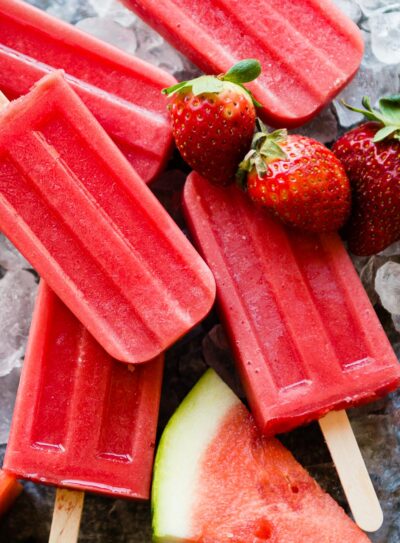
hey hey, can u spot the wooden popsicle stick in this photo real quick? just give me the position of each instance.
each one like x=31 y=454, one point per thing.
x=352 y=471
x=67 y=516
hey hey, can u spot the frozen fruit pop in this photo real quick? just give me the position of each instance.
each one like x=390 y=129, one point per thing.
x=10 y=489
x=123 y=92
x=82 y=420
x=305 y=336
x=85 y=220
x=308 y=49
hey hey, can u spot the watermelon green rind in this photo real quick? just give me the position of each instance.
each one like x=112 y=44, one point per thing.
x=185 y=439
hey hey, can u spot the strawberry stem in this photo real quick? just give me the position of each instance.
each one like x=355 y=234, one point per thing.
x=388 y=115
x=265 y=148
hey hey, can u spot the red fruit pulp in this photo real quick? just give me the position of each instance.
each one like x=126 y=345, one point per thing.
x=254 y=491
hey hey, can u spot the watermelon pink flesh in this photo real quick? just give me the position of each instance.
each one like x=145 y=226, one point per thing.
x=252 y=490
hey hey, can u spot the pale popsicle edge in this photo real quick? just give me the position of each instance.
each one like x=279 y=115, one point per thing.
x=352 y=471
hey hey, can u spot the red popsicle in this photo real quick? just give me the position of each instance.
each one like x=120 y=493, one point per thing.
x=308 y=49
x=82 y=420
x=79 y=213
x=305 y=336
x=10 y=489
x=122 y=91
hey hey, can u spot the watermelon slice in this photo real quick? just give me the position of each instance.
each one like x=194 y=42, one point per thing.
x=217 y=480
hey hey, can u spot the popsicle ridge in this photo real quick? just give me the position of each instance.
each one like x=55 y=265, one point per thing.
x=121 y=90
x=91 y=421
x=302 y=69
x=304 y=334
x=269 y=24
x=124 y=238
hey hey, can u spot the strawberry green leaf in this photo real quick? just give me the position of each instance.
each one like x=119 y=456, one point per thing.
x=390 y=107
x=261 y=166
x=175 y=88
x=261 y=127
x=388 y=115
x=272 y=151
x=384 y=133
x=243 y=72
x=206 y=84
x=370 y=114
x=265 y=148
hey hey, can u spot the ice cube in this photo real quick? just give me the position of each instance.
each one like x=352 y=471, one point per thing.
x=70 y=10
x=103 y=7
x=370 y=7
x=387 y=285
x=374 y=82
x=367 y=276
x=162 y=55
x=392 y=250
x=110 y=31
x=17 y=295
x=350 y=8
x=385 y=36
x=113 y=9
x=374 y=79
x=10 y=257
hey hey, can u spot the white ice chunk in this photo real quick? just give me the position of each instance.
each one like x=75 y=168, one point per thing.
x=373 y=82
x=387 y=285
x=69 y=10
x=385 y=36
x=153 y=49
x=113 y=10
x=8 y=391
x=373 y=79
x=369 y=7
x=110 y=31
x=392 y=250
x=17 y=295
x=350 y=8
x=10 y=257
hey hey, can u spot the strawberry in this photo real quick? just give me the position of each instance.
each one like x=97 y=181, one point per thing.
x=370 y=154
x=213 y=120
x=297 y=179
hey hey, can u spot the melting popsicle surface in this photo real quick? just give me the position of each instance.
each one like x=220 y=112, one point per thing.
x=304 y=334
x=123 y=92
x=82 y=419
x=308 y=49
x=78 y=212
